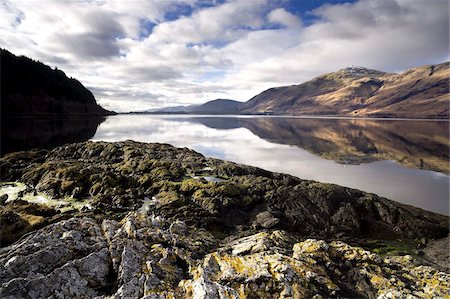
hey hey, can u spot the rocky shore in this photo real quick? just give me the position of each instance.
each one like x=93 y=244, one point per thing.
x=136 y=220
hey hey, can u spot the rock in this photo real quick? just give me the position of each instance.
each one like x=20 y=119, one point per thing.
x=139 y=257
x=254 y=234
x=118 y=176
x=266 y=220
x=438 y=252
x=20 y=217
x=3 y=199
x=304 y=273
x=66 y=259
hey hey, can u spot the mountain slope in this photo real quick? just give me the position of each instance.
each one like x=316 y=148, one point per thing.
x=173 y=109
x=31 y=88
x=218 y=106
x=355 y=91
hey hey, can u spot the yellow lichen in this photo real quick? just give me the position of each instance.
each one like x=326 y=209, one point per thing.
x=32 y=219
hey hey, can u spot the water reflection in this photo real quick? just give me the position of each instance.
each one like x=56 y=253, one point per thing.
x=308 y=148
x=414 y=144
x=27 y=133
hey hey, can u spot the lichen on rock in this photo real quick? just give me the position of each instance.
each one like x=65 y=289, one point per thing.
x=158 y=229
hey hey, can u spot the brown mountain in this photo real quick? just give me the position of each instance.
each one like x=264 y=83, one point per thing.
x=421 y=92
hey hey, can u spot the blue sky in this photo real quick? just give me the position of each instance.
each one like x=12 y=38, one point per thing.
x=137 y=55
x=304 y=8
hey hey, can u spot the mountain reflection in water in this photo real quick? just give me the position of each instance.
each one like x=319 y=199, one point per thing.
x=403 y=160
x=18 y=134
x=414 y=144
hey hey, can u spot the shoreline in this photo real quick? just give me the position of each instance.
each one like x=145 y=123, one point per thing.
x=284 y=116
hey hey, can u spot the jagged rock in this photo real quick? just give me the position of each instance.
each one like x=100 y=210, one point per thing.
x=118 y=176
x=438 y=251
x=157 y=231
x=66 y=259
x=266 y=219
x=139 y=257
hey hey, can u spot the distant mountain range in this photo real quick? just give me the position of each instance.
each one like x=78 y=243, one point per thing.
x=31 y=88
x=421 y=92
x=211 y=107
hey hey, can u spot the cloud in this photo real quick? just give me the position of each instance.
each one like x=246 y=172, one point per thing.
x=282 y=16
x=145 y=54
x=225 y=22
x=385 y=35
x=89 y=45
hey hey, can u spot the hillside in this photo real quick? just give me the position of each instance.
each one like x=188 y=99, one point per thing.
x=218 y=106
x=421 y=92
x=31 y=88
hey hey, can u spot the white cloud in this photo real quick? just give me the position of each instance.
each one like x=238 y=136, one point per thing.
x=225 y=22
x=137 y=55
x=281 y=16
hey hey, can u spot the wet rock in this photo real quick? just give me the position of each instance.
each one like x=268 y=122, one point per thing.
x=20 y=217
x=3 y=199
x=155 y=231
x=118 y=176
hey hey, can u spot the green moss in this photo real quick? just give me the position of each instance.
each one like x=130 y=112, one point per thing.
x=126 y=168
x=229 y=189
x=191 y=185
x=165 y=185
x=145 y=180
x=169 y=197
x=387 y=247
x=161 y=173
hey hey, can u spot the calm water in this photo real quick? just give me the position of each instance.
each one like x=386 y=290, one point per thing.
x=404 y=160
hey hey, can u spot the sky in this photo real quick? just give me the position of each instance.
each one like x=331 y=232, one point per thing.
x=140 y=55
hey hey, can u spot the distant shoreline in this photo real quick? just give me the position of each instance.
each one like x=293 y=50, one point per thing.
x=55 y=117
x=284 y=116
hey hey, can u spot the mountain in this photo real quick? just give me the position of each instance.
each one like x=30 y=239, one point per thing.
x=421 y=92
x=219 y=106
x=31 y=88
x=174 y=109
